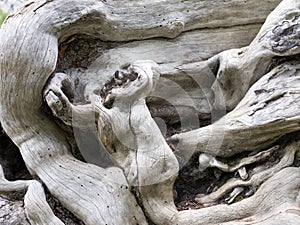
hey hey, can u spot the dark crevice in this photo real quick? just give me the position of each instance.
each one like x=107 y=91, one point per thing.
x=214 y=67
x=62 y=213
x=15 y=169
x=135 y=192
x=191 y=181
x=11 y=159
x=281 y=60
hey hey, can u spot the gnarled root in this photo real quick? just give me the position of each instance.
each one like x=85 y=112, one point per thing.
x=256 y=178
x=37 y=209
x=268 y=111
x=154 y=173
x=206 y=160
x=129 y=134
x=239 y=69
x=46 y=152
x=270 y=200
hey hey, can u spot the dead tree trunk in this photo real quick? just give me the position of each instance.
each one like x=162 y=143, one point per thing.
x=91 y=89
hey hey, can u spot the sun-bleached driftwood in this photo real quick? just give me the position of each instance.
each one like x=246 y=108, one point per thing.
x=157 y=170
x=128 y=132
x=37 y=209
x=210 y=161
x=256 y=178
x=263 y=116
x=261 y=110
x=239 y=69
x=255 y=209
x=182 y=34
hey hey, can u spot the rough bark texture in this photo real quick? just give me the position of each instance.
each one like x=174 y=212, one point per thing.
x=182 y=61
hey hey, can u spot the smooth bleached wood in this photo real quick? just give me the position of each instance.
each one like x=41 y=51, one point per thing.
x=203 y=50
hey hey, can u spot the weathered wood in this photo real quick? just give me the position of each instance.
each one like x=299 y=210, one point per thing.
x=262 y=208
x=130 y=135
x=185 y=79
x=256 y=177
x=239 y=69
x=37 y=209
x=267 y=112
x=264 y=114
x=154 y=172
x=29 y=43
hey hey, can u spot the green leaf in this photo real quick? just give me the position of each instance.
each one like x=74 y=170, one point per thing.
x=3 y=15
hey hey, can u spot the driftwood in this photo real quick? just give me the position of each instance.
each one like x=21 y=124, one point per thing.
x=160 y=59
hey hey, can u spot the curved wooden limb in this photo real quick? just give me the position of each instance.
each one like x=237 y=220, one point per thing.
x=131 y=136
x=256 y=179
x=268 y=111
x=272 y=198
x=114 y=119
x=157 y=167
x=155 y=194
x=40 y=26
x=58 y=95
x=37 y=209
x=206 y=161
x=239 y=69
x=153 y=166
